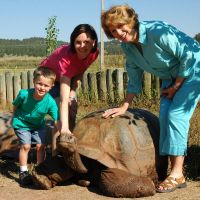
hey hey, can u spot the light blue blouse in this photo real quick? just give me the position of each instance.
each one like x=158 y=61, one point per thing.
x=167 y=53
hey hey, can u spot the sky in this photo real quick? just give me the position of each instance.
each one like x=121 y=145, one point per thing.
x=21 y=19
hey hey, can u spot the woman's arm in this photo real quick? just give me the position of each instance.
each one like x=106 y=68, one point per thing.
x=64 y=104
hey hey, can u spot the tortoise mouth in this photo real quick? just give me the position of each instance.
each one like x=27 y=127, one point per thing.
x=71 y=156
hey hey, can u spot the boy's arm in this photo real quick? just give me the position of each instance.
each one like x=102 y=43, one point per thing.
x=54 y=113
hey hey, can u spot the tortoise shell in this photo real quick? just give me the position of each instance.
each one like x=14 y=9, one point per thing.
x=128 y=142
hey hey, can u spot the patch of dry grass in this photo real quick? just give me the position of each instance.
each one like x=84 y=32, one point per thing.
x=19 y=62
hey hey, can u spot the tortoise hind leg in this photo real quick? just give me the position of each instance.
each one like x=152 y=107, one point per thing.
x=118 y=183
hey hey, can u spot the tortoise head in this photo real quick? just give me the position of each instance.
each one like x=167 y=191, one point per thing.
x=67 y=145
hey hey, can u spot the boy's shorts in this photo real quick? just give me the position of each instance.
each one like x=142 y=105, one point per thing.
x=31 y=136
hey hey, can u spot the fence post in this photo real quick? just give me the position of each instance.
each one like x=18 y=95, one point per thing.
x=147 y=84
x=125 y=79
x=30 y=79
x=92 y=82
x=16 y=84
x=120 y=83
x=9 y=87
x=24 y=81
x=3 y=90
x=102 y=85
x=110 y=87
x=157 y=87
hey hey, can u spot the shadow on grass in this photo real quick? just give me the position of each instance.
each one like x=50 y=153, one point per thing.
x=192 y=163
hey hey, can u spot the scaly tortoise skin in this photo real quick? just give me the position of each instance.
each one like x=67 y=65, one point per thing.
x=119 y=155
x=8 y=140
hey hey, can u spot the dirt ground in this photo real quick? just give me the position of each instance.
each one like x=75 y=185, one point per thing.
x=11 y=190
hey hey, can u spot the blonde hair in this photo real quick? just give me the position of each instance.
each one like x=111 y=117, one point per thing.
x=46 y=72
x=119 y=15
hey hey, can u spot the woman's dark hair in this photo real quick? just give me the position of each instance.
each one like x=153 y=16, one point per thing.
x=83 y=28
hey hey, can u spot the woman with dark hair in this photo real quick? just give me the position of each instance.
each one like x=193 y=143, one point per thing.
x=163 y=50
x=69 y=62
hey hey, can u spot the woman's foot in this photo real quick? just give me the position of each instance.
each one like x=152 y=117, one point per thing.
x=170 y=184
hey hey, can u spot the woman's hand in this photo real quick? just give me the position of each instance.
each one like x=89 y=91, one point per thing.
x=114 y=112
x=120 y=110
x=66 y=137
x=169 y=92
x=67 y=132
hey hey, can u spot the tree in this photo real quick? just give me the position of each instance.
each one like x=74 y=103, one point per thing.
x=197 y=37
x=52 y=34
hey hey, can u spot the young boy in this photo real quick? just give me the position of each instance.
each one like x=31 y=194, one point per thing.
x=30 y=109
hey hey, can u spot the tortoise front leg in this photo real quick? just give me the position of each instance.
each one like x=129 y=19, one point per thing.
x=119 y=183
x=51 y=172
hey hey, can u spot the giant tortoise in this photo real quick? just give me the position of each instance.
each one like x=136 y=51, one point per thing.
x=118 y=155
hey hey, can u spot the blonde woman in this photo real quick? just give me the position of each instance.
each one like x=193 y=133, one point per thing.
x=161 y=49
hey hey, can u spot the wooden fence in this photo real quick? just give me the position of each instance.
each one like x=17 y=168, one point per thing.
x=109 y=85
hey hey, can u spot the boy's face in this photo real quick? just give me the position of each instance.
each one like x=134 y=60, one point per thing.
x=42 y=85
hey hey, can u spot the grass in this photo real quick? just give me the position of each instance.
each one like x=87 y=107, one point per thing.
x=28 y=62
x=19 y=62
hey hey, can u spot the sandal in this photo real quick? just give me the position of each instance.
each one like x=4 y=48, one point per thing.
x=170 y=184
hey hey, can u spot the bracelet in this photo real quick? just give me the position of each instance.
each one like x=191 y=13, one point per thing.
x=175 y=87
x=73 y=98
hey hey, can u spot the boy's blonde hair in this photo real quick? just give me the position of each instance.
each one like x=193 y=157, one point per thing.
x=119 y=15
x=46 y=72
